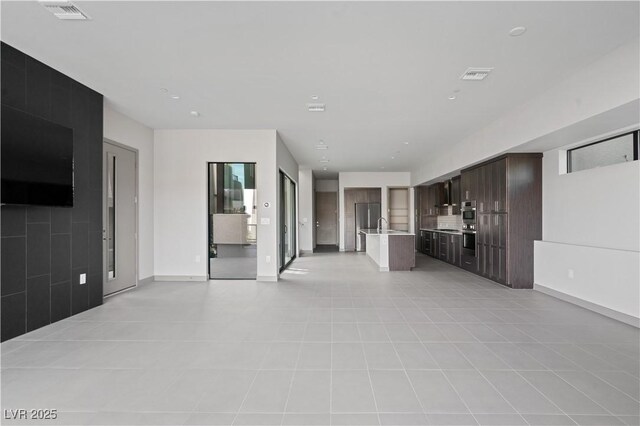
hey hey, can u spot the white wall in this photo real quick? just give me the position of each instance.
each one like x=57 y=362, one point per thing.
x=382 y=180
x=124 y=130
x=181 y=158
x=327 y=185
x=287 y=164
x=307 y=214
x=591 y=225
x=608 y=83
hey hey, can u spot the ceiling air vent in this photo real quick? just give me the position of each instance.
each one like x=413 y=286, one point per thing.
x=315 y=107
x=475 y=74
x=64 y=10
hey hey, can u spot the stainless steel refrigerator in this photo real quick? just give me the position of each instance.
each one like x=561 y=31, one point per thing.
x=367 y=215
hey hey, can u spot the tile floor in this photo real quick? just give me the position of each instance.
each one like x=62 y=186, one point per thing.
x=334 y=342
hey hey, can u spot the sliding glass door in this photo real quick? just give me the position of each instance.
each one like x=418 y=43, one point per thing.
x=232 y=221
x=287 y=220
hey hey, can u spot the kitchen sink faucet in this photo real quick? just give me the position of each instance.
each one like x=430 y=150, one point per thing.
x=380 y=223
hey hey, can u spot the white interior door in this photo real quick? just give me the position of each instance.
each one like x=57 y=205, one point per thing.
x=119 y=218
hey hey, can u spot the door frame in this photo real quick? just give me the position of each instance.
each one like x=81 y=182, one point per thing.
x=208 y=222
x=105 y=266
x=281 y=207
x=337 y=215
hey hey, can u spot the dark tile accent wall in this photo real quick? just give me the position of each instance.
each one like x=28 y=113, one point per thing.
x=45 y=249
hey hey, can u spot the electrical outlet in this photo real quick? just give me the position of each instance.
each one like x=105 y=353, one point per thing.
x=268 y=259
x=570 y=273
x=83 y=278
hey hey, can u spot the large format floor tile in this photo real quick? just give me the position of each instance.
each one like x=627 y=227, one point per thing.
x=333 y=343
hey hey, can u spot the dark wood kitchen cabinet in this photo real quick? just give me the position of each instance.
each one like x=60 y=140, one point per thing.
x=498 y=248
x=425 y=240
x=435 y=199
x=498 y=198
x=508 y=195
x=491 y=246
x=455 y=195
x=453 y=249
x=468 y=185
x=443 y=246
x=434 y=245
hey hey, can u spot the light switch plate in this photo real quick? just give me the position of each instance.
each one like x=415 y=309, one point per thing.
x=265 y=221
x=83 y=278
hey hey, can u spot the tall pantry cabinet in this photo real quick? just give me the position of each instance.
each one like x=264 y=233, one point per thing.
x=508 y=195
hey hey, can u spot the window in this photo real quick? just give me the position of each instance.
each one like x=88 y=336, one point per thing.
x=618 y=149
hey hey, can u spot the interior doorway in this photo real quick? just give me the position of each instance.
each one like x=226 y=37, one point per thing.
x=326 y=220
x=120 y=227
x=232 y=219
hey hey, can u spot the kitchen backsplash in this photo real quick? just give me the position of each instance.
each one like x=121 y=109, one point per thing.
x=450 y=222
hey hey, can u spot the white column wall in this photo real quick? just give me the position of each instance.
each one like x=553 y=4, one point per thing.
x=124 y=130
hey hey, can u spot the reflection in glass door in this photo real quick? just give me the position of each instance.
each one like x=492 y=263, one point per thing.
x=232 y=221
x=287 y=221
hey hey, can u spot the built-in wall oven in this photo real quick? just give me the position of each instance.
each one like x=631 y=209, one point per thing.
x=469 y=243
x=468 y=209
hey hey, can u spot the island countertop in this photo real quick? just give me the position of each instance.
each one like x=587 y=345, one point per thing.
x=390 y=250
x=384 y=232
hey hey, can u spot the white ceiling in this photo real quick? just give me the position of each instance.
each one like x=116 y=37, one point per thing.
x=384 y=69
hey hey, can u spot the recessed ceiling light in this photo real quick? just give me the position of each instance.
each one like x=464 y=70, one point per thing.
x=406 y=143
x=324 y=160
x=517 y=31
x=324 y=168
x=163 y=90
x=314 y=97
x=393 y=158
x=321 y=147
x=195 y=114
x=176 y=97
x=452 y=97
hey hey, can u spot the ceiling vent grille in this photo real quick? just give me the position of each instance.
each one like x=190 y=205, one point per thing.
x=315 y=107
x=475 y=74
x=65 y=10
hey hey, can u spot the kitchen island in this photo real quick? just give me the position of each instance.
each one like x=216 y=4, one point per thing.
x=391 y=250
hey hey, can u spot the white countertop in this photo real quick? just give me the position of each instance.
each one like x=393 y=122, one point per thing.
x=384 y=232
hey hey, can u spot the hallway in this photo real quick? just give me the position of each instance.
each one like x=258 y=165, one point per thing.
x=333 y=342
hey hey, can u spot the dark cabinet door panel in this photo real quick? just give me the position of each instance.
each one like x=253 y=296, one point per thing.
x=499 y=186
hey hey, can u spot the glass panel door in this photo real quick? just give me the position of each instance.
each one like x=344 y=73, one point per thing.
x=232 y=221
x=287 y=221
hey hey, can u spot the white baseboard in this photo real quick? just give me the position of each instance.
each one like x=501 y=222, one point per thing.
x=267 y=278
x=147 y=280
x=618 y=316
x=199 y=278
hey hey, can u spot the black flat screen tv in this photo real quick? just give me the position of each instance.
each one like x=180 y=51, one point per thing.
x=36 y=160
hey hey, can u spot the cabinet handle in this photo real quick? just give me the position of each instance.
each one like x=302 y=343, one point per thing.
x=496 y=203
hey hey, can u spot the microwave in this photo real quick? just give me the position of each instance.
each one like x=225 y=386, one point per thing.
x=468 y=210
